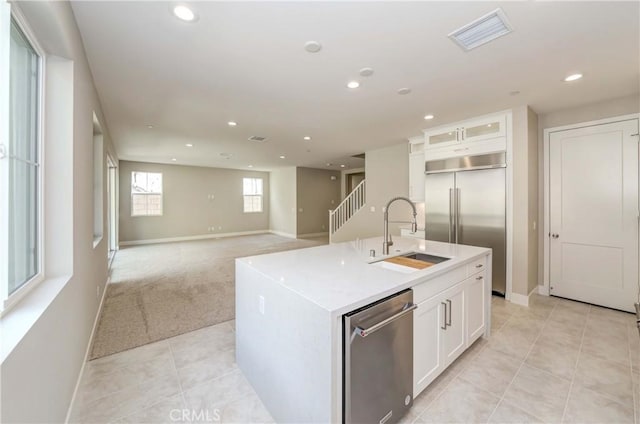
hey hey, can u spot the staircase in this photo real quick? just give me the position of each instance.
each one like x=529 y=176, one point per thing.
x=347 y=208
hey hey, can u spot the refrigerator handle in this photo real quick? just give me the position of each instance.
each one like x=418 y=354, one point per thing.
x=457 y=220
x=450 y=212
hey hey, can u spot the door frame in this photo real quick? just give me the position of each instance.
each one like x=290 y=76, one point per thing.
x=544 y=289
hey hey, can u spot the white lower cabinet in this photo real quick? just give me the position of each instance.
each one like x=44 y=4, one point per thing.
x=427 y=350
x=452 y=332
x=476 y=292
x=445 y=325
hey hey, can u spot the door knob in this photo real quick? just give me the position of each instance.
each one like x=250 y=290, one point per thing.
x=555 y=236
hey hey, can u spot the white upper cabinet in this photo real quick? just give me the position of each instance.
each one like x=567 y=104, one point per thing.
x=483 y=129
x=444 y=138
x=416 y=169
x=461 y=138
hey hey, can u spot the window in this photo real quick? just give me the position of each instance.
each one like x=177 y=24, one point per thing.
x=22 y=160
x=98 y=173
x=252 y=191
x=146 y=194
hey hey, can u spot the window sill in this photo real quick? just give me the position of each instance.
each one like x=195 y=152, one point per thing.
x=16 y=322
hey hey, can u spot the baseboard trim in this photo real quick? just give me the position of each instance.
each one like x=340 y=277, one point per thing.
x=520 y=299
x=88 y=351
x=191 y=238
x=543 y=291
x=282 y=234
x=326 y=233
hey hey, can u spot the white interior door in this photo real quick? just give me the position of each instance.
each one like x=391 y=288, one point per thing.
x=594 y=214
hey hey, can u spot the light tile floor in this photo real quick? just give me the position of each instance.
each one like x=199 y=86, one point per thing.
x=556 y=361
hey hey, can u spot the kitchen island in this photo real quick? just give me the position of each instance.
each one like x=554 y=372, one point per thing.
x=289 y=309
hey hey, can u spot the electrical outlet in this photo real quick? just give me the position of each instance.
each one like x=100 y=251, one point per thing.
x=261 y=305
x=220 y=228
x=98 y=292
x=373 y=208
x=323 y=226
x=534 y=225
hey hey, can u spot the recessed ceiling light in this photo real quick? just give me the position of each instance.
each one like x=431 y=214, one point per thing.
x=149 y=126
x=404 y=91
x=573 y=77
x=249 y=166
x=232 y=123
x=428 y=117
x=282 y=157
x=183 y=13
x=174 y=159
x=353 y=84
x=366 y=72
x=306 y=138
x=342 y=166
x=189 y=145
x=312 y=46
x=329 y=164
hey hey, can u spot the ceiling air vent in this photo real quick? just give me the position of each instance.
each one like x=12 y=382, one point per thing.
x=257 y=139
x=482 y=30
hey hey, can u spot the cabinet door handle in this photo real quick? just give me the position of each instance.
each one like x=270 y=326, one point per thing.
x=449 y=308
x=479 y=266
x=479 y=278
x=444 y=321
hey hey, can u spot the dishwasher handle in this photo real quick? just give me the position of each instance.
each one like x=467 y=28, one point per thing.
x=364 y=332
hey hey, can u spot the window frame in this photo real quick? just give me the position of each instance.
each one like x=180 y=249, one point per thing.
x=147 y=194
x=7 y=300
x=261 y=195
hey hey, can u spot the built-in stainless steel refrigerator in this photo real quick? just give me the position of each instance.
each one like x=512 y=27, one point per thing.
x=465 y=203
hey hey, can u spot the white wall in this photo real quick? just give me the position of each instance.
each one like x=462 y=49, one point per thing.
x=187 y=209
x=282 y=186
x=387 y=176
x=316 y=194
x=589 y=112
x=39 y=374
x=525 y=200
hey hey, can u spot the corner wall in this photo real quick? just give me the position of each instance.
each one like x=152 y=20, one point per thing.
x=525 y=201
x=187 y=209
x=387 y=176
x=283 y=216
x=316 y=194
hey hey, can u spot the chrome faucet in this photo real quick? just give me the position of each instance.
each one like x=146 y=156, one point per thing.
x=387 y=237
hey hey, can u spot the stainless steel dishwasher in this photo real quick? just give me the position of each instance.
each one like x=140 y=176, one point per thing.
x=378 y=361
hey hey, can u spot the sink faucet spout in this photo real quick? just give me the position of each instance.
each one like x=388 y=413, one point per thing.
x=387 y=237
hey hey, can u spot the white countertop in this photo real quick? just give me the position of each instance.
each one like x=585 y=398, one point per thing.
x=339 y=278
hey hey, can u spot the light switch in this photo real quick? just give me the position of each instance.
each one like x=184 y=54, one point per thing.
x=373 y=208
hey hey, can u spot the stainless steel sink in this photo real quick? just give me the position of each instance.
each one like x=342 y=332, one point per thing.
x=425 y=257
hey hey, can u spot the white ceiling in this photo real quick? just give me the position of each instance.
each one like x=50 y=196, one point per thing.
x=246 y=62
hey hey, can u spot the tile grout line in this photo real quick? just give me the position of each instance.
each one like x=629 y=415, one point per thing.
x=575 y=368
x=521 y=365
x=635 y=392
x=108 y=394
x=486 y=346
x=175 y=368
x=446 y=386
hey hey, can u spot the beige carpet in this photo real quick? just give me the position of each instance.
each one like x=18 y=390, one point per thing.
x=162 y=290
